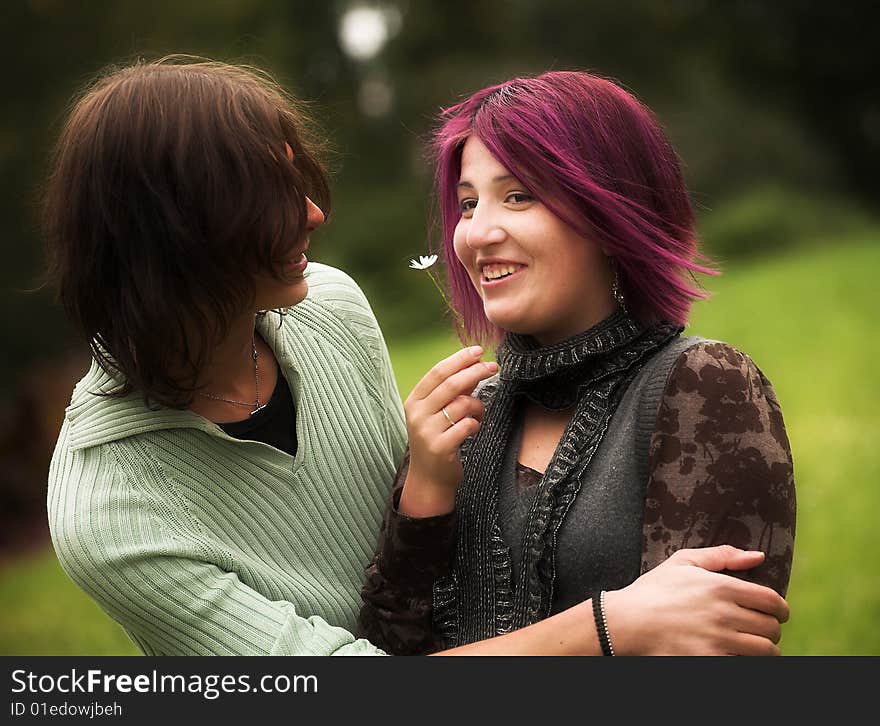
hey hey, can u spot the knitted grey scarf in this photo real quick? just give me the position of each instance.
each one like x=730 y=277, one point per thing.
x=590 y=372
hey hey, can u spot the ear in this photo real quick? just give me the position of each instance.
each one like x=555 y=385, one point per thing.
x=288 y=150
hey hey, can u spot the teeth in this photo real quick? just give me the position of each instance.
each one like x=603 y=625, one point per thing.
x=494 y=272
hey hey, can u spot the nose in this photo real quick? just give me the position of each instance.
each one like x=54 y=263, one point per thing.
x=314 y=215
x=484 y=229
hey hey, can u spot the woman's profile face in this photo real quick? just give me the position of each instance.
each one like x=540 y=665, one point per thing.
x=536 y=275
x=273 y=294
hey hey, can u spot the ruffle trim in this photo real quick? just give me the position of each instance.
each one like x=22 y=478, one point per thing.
x=522 y=360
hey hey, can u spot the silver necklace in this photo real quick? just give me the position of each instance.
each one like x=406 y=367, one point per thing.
x=256 y=405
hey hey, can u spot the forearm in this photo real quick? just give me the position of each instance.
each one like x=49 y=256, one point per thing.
x=682 y=607
x=571 y=632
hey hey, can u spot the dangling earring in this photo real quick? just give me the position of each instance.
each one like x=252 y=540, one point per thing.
x=616 y=292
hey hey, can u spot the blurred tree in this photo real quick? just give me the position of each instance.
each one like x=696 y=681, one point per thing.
x=752 y=92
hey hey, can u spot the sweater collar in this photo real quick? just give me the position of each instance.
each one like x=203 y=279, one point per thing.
x=96 y=419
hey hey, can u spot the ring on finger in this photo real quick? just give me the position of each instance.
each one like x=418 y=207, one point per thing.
x=448 y=417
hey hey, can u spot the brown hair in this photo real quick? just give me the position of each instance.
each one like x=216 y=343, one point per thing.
x=170 y=191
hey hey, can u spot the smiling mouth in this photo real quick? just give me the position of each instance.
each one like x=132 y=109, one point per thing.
x=297 y=265
x=491 y=273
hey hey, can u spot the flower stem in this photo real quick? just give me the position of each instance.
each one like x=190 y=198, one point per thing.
x=458 y=320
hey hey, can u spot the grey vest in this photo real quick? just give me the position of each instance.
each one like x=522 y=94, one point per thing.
x=599 y=544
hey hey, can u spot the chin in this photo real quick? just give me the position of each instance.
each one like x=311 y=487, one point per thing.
x=298 y=294
x=286 y=298
x=509 y=322
x=514 y=318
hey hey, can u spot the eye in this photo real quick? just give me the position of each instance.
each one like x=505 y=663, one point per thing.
x=519 y=198
x=466 y=207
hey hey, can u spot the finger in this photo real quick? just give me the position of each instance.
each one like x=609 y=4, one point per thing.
x=465 y=406
x=720 y=557
x=445 y=368
x=756 y=623
x=448 y=442
x=461 y=383
x=739 y=560
x=748 y=644
x=428 y=426
x=758 y=597
x=452 y=437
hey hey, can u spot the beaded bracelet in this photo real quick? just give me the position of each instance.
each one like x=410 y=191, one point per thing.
x=602 y=623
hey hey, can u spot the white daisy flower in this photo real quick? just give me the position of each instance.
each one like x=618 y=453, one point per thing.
x=425 y=261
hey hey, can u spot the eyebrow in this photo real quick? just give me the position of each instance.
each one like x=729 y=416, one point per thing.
x=495 y=180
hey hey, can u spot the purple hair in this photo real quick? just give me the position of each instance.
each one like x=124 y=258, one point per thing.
x=599 y=160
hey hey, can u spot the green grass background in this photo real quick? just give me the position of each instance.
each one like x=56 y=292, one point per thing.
x=809 y=319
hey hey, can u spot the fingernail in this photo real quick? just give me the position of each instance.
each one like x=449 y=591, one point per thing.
x=475 y=350
x=492 y=366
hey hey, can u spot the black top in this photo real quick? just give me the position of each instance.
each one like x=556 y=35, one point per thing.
x=275 y=424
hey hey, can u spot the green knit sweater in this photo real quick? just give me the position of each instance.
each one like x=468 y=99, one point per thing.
x=198 y=543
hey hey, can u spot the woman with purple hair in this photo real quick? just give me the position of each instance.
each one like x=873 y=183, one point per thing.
x=607 y=441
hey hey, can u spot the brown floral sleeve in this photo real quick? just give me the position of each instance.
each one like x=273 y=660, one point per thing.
x=720 y=467
x=398 y=592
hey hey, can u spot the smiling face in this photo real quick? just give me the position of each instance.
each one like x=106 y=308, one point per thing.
x=272 y=293
x=536 y=275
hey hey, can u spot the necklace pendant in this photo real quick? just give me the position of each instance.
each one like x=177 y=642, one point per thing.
x=259 y=408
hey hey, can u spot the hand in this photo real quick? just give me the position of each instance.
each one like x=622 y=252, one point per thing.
x=434 y=440
x=685 y=606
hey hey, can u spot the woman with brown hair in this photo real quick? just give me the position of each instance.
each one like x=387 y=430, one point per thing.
x=221 y=472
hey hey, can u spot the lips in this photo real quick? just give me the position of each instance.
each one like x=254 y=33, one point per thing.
x=297 y=266
x=494 y=272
